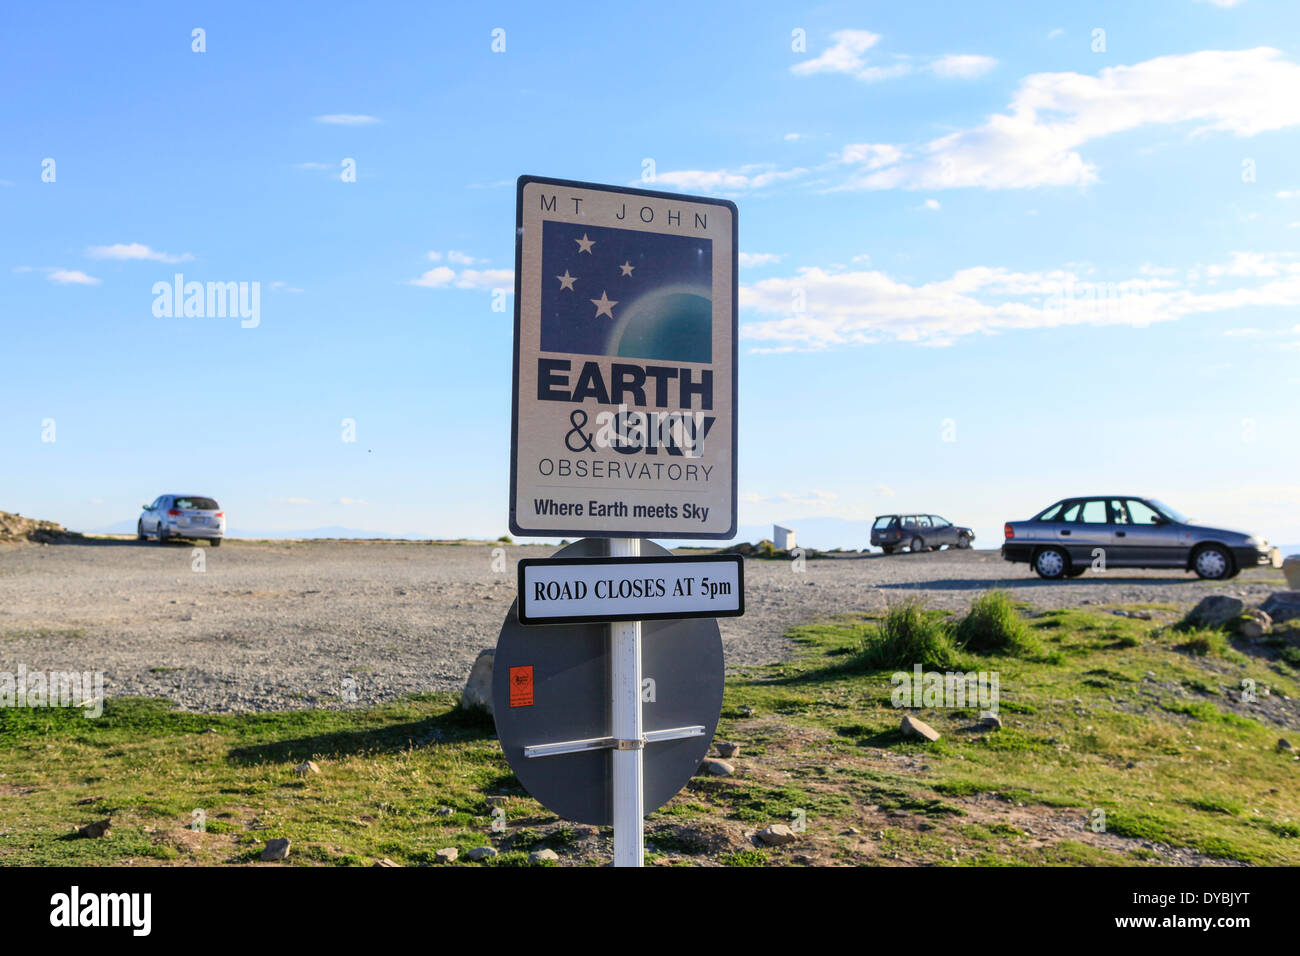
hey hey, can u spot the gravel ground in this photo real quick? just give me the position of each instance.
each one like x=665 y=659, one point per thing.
x=271 y=625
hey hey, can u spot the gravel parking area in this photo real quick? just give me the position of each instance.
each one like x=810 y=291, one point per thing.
x=270 y=625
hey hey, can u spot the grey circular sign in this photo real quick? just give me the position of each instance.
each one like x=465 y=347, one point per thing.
x=566 y=696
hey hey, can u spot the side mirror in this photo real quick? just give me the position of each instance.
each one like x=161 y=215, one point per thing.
x=144 y=507
x=1160 y=519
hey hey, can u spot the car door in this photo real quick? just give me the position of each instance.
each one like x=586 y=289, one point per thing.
x=150 y=520
x=1086 y=532
x=1155 y=541
x=943 y=531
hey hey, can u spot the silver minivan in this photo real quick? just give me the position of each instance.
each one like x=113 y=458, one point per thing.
x=182 y=516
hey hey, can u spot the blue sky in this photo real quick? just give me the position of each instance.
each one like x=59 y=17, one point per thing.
x=992 y=257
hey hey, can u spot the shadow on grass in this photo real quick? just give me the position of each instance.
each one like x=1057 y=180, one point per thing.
x=453 y=726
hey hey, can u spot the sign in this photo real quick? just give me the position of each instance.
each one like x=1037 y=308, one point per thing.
x=561 y=745
x=567 y=590
x=624 y=414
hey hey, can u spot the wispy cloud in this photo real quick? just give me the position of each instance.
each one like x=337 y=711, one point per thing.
x=445 y=277
x=135 y=251
x=847 y=55
x=964 y=66
x=348 y=119
x=746 y=178
x=70 y=277
x=755 y=259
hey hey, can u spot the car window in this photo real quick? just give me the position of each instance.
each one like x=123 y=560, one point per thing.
x=940 y=522
x=1118 y=513
x=196 y=504
x=1054 y=513
x=923 y=521
x=884 y=521
x=1140 y=512
x=1086 y=512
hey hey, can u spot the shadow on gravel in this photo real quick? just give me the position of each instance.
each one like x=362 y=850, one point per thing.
x=452 y=727
x=980 y=584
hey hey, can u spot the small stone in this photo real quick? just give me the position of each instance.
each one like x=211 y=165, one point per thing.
x=1254 y=624
x=444 y=812
x=305 y=768
x=100 y=828
x=911 y=727
x=778 y=834
x=495 y=801
x=277 y=849
x=87 y=800
x=746 y=711
x=210 y=730
x=481 y=853
x=384 y=862
x=447 y=854
x=990 y=720
x=718 y=768
x=728 y=749
x=543 y=856
x=1283 y=745
x=478 y=687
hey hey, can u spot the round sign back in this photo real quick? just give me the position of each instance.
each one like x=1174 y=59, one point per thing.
x=551 y=684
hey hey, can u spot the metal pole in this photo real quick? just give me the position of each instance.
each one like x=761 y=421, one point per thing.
x=625 y=652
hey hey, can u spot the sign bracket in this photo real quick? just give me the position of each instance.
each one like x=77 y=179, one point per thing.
x=612 y=743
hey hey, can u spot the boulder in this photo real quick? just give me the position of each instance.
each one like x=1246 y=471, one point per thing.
x=1254 y=624
x=716 y=767
x=478 y=689
x=543 y=856
x=277 y=849
x=1214 y=611
x=100 y=828
x=778 y=834
x=481 y=853
x=384 y=862
x=911 y=727
x=990 y=720
x=1291 y=568
x=728 y=749
x=447 y=854
x=1284 y=745
x=1282 y=606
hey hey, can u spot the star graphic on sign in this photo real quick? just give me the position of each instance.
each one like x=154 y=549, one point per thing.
x=585 y=244
x=566 y=281
x=604 y=305
x=627 y=267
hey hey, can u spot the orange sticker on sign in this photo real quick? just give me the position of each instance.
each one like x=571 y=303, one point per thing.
x=521 y=686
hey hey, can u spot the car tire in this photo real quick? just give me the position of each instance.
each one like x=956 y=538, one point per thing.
x=1075 y=572
x=1051 y=564
x=215 y=542
x=963 y=541
x=917 y=546
x=1212 y=563
x=887 y=548
x=139 y=530
x=162 y=533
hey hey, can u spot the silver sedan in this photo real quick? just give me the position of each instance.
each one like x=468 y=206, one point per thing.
x=1126 y=531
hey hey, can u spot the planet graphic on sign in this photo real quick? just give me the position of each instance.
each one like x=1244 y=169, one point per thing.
x=672 y=325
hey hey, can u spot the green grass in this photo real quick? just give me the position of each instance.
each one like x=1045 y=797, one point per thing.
x=1099 y=713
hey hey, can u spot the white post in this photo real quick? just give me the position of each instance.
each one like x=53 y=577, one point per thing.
x=629 y=801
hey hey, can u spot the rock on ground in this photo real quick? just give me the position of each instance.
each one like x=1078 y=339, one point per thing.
x=1214 y=611
x=447 y=855
x=911 y=727
x=277 y=849
x=478 y=688
x=1282 y=606
x=778 y=834
x=481 y=853
x=716 y=767
x=543 y=856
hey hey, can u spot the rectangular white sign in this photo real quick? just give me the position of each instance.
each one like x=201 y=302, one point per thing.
x=568 y=590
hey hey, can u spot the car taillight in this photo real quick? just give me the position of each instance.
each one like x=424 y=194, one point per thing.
x=1007 y=530
x=221 y=514
x=173 y=512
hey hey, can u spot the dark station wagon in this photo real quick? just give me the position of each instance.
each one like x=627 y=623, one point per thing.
x=918 y=532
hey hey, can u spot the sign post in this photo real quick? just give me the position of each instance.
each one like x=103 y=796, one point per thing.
x=623 y=426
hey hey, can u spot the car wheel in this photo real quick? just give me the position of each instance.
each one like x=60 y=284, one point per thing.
x=917 y=546
x=1051 y=563
x=139 y=530
x=215 y=542
x=963 y=541
x=162 y=533
x=1212 y=563
x=887 y=548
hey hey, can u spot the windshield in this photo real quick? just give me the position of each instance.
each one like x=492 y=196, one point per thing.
x=196 y=504
x=884 y=521
x=1169 y=512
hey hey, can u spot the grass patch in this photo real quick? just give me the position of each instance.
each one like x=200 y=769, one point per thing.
x=908 y=635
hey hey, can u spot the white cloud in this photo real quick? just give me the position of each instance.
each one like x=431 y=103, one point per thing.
x=129 y=251
x=864 y=307
x=71 y=277
x=1225 y=4
x=755 y=176
x=870 y=155
x=460 y=258
x=755 y=259
x=962 y=66
x=845 y=55
x=1058 y=32
x=348 y=119
x=442 y=277
x=312 y=166
x=352 y=501
x=1051 y=115
x=281 y=286
x=791 y=137
x=1288 y=194
x=931 y=204
x=291 y=501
